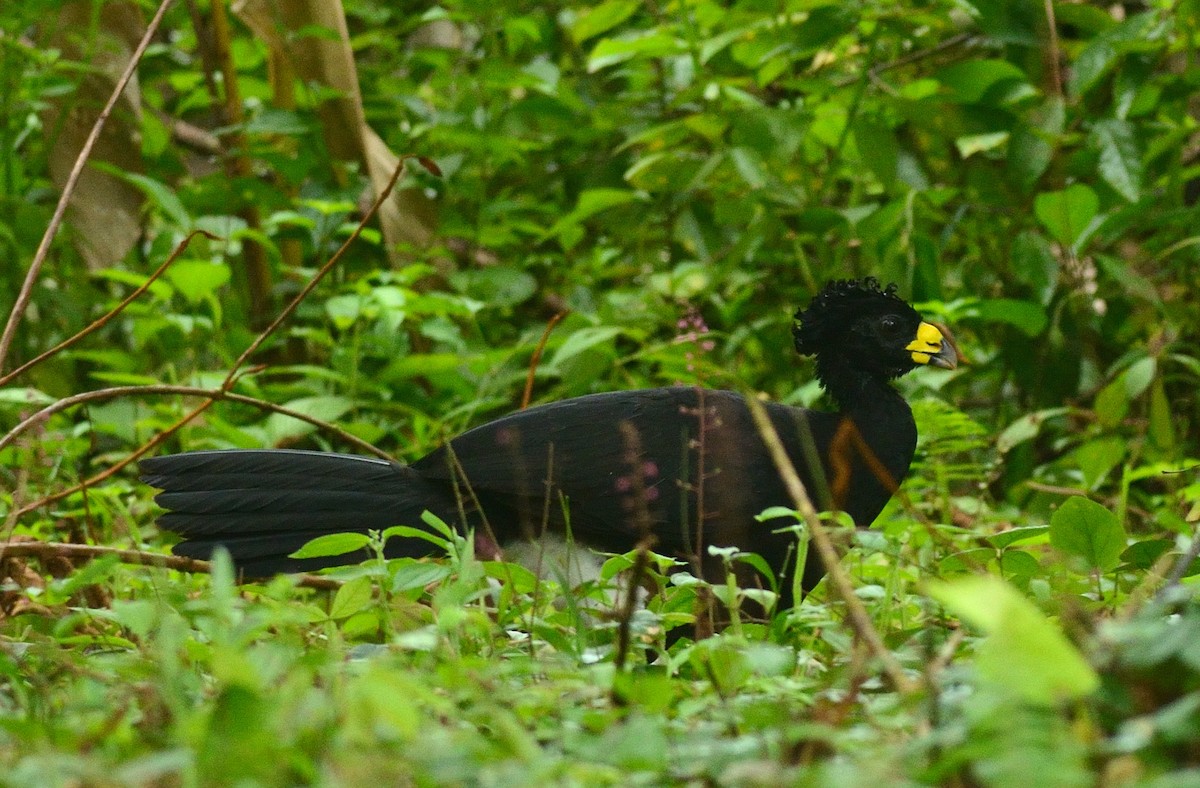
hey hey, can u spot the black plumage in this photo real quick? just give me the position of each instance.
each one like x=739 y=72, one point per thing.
x=684 y=464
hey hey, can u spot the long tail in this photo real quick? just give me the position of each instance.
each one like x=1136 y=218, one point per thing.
x=262 y=505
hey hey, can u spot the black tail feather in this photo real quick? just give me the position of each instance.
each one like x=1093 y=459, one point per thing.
x=263 y=505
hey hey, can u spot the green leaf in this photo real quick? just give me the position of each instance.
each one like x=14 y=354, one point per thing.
x=1112 y=401
x=601 y=18
x=1162 y=422
x=351 y=598
x=1067 y=213
x=408 y=532
x=410 y=573
x=643 y=43
x=584 y=339
x=344 y=310
x=24 y=396
x=1029 y=318
x=497 y=286
x=1035 y=264
x=1029 y=154
x=1093 y=62
x=1144 y=554
x=971 y=79
x=1026 y=428
x=590 y=203
x=325 y=408
x=1086 y=529
x=876 y=144
x=1138 y=376
x=1025 y=653
x=197 y=279
x=163 y=197
x=1120 y=158
x=749 y=166
x=971 y=144
x=1097 y=457
x=332 y=544
x=1015 y=535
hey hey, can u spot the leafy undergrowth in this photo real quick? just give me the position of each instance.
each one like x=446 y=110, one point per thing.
x=605 y=182
x=1066 y=662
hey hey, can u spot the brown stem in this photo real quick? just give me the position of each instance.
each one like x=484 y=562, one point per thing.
x=106 y=318
x=139 y=557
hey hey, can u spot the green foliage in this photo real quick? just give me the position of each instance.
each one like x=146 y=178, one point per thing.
x=677 y=178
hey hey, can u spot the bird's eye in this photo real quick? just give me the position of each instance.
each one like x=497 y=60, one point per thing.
x=890 y=324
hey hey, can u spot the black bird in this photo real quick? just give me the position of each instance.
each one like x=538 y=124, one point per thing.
x=685 y=464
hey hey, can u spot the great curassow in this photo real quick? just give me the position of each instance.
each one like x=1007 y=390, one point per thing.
x=685 y=464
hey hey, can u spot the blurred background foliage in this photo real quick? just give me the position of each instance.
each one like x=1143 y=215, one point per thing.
x=676 y=178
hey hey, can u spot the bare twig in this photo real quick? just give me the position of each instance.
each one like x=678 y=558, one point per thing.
x=211 y=396
x=104 y=319
x=317 y=277
x=537 y=357
x=139 y=557
x=1053 y=52
x=39 y=257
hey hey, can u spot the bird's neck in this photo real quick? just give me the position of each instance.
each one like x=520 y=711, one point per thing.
x=881 y=417
x=872 y=402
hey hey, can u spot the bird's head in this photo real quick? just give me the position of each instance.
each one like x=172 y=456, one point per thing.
x=855 y=325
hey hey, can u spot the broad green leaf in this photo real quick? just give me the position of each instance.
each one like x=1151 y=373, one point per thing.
x=1097 y=457
x=1067 y=213
x=1026 y=428
x=498 y=286
x=332 y=544
x=163 y=197
x=1138 y=376
x=1019 y=564
x=325 y=408
x=1120 y=158
x=876 y=144
x=1144 y=554
x=644 y=43
x=971 y=79
x=197 y=279
x=1162 y=422
x=351 y=598
x=344 y=310
x=24 y=396
x=410 y=573
x=1024 y=653
x=582 y=340
x=1086 y=529
x=1112 y=403
x=601 y=18
x=1029 y=318
x=1093 y=62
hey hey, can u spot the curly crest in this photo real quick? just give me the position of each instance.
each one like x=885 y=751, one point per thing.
x=838 y=302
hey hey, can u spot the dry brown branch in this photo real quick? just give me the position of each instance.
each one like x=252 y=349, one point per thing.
x=138 y=557
x=537 y=357
x=211 y=396
x=104 y=319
